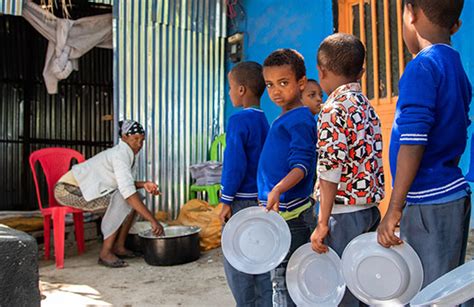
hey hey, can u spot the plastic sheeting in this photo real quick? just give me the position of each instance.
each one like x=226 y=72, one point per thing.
x=68 y=40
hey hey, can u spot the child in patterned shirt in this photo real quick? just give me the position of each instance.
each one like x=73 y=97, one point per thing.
x=350 y=173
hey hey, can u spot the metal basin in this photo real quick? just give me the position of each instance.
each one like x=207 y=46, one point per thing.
x=178 y=245
x=133 y=242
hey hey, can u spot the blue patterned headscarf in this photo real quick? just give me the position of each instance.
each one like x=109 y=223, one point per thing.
x=130 y=127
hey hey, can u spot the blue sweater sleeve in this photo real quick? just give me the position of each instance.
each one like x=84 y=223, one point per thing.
x=417 y=103
x=235 y=160
x=302 y=152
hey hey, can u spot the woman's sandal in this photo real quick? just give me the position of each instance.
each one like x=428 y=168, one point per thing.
x=128 y=255
x=119 y=263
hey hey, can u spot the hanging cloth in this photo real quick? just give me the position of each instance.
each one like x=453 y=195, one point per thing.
x=68 y=40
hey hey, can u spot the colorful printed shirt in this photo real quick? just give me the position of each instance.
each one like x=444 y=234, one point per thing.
x=350 y=147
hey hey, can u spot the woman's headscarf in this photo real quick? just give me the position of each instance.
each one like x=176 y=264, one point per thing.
x=130 y=127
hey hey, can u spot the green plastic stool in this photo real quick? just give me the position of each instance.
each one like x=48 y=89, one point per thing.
x=213 y=190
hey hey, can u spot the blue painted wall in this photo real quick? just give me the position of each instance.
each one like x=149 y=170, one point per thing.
x=463 y=42
x=273 y=24
x=303 y=24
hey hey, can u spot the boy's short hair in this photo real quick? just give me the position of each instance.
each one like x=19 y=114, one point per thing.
x=342 y=54
x=249 y=74
x=444 y=13
x=287 y=56
x=314 y=81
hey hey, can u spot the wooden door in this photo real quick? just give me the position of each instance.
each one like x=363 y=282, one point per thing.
x=378 y=24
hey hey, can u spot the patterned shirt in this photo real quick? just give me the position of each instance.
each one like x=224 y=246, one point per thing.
x=350 y=146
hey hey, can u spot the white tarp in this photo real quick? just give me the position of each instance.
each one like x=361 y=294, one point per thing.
x=68 y=40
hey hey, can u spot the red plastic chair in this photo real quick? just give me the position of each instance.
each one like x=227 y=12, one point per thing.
x=55 y=162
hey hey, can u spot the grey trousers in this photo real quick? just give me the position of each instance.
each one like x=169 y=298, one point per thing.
x=438 y=233
x=342 y=229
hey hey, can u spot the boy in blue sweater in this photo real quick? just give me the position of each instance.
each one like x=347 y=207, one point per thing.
x=287 y=163
x=245 y=136
x=429 y=135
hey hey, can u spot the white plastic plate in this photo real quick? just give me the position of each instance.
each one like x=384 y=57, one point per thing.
x=381 y=276
x=451 y=289
x=315 y=279
x=255 y=241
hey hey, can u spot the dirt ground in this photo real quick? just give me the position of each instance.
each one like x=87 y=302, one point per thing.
x=83 y=282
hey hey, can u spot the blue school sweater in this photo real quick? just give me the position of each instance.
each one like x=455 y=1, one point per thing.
x=245 y=136
x=291 y=143
x=432 y=110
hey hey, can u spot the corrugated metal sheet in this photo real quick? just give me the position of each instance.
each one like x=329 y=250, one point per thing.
x=108 y=2
x=169 y=75
x=11 y=7
x=31 y=119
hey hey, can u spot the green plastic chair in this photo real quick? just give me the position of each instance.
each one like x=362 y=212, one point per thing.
x=213 y=190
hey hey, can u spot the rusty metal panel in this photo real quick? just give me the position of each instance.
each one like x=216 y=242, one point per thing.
x=11 y=7
x=169 y=75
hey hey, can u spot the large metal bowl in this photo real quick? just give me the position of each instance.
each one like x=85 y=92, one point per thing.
x=178 y=245
x=133 y=242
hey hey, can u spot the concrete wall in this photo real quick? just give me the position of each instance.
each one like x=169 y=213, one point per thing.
x=273 y=24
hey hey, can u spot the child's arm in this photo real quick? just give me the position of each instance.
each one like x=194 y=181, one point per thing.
x=328 y=192
x=416 y=108
x=332 y=151
x=290 y=180
x=235 y=165
x=408 y=162
x=301 y=157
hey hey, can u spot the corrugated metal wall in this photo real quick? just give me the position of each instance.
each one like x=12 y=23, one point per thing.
x=108 y=2
x=11 y=7
x=77 y=117
x=169 y=75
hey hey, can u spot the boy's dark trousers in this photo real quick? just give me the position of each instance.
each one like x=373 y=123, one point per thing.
x=343 y=228
x=438 y=234
x=248 y=290
x=300 y=229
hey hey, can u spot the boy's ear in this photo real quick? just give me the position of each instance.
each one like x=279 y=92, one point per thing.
x=359 y=76
x=321 y=72
x=302 y=83
x=412 y=16
x=242 y=90
x=456 y=27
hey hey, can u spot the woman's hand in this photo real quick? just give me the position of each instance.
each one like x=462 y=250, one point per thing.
x=156 y=228
x=151 y=188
